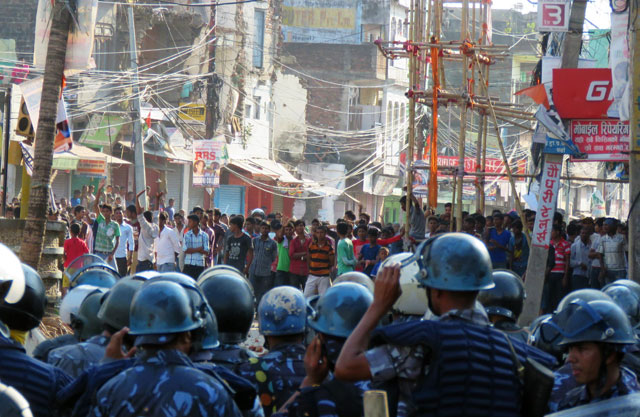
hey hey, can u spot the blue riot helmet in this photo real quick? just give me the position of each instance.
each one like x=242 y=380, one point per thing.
x=338 y=311
x=145 y=275
x=506 y=299
x=357 y=277
x=259 y=213
x=632 y=285
x=454 y=262
x=282 y=311
x=219 y=270
x=160 y=309
x=81 y=262
x=585 y=294
x=12 y=282
x=99 y=275
x=86 y=323
x=626 y=299
x=27 y=313
x=115 y=308
x=12 y=403
x=594 y=321
x=544 y=337
x=71 y=302
x=232 y=301
x=210 y=340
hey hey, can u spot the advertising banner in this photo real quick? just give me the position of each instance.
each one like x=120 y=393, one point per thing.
x=92 y=168
x=553 y=15
x=582 y=93
x=619 y=62
x=546 y=204
x=601 y=139
x=493 y=165
x=208 y=157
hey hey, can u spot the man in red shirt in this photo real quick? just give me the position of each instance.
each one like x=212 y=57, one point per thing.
x=557 y=284
x=74 y=247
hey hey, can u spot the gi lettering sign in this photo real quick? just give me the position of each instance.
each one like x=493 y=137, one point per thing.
x=553 y=15
x=582 y=93
x=602 y=140
x=208 y=157
x=546 y=204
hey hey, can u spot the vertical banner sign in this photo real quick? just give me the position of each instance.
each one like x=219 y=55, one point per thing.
x=553 y=15
x=546 y=204
x=208 y=157
x=619 y=62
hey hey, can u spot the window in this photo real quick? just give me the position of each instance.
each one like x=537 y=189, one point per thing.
x=247 y=110
x=257 y=104
x=258 y=38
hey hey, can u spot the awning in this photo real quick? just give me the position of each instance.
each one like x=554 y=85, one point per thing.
x=267 y=168
x=83 y=152
x=173 y=154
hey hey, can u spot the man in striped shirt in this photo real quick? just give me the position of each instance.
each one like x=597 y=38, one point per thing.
x=195 y=246
x=321 y=260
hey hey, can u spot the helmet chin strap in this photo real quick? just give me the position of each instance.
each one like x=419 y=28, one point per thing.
x=433 y=310
x=605 y=351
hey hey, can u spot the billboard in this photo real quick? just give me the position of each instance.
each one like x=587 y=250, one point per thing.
x=553 y=15
x=208 y=158
x=601 y=139
x=582 y=93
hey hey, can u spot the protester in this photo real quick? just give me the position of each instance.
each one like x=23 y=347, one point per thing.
x=497 y=241
x=283 y=238
x=321 y=259
x=126 y=243
x=238 y=251
x=195 y=247
x=344 y=255
x=265 y=252
x=167 y=245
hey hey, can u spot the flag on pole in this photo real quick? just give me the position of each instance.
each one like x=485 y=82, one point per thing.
x=537 y=93
x=148 y=120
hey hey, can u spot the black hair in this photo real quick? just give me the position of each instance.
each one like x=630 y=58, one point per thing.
x=250 y=220
x=263 y=223
x=107 y=206
x=557 y=228
x=217 y=212
x=517 y=224
x=573 y=229
x=350 y=215
x=162 y=215
x=377 y=224
x=74 y=229
x=238 y=221
x=78 y=209
x=342 y=228
x=315 y=221
x=373 y=231
x=322 y=227
x=448 y=205
x=131 y=208
x=194 y=217
x=148 y=215
x=498 y=215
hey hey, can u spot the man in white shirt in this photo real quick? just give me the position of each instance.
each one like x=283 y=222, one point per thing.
x=580 y=261
x=612 y=251
x=146 y=240
x=167 y=246
x=180 y=230
x=595 y=278
x=126 y=243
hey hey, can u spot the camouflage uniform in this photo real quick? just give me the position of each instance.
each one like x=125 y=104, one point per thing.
x=278 y=374
x=163 y=383
x=333 y=398
x=405 y=364
x=627 y=384
x=229 y=356
x=41 y=352
x=73 y=359
x=563 y=383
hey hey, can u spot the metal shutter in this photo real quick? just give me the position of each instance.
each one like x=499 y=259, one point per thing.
x=196 y=194
x=230 y=199
x=60 y=186
x=174 y=185
x=278 y=204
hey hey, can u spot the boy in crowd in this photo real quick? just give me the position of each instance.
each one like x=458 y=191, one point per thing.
x=382 y=255
x=369 y=251
x=345 y=255
x=264 y=253
x=321 y=259
x=238 y=251
x=74 y=247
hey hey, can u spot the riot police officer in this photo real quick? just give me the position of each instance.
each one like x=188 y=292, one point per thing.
x=282 y=314
x=75 y=398
x=335 y=315
x=595 y=334
x=549 y=335
x=231 y=297
x=163 y=380
x=27 y=312
x=427 y=359
x=38 y=382
x=503 y=303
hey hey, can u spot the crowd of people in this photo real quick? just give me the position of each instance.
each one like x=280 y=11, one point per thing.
x=343 y=310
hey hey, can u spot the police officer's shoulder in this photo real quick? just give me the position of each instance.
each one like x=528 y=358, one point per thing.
x=12 y=403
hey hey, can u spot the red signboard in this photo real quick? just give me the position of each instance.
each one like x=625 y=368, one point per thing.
x=601 y=140
x=582 y=93
x=493 y=165
x=553 y=15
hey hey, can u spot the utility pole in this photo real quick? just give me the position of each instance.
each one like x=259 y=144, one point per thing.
x=412 y=115
x=138 y=145
x=35 y=225
x=463 y=119
x=539 y=254
x=5 y=153
x=634 y=156
x=211 y=121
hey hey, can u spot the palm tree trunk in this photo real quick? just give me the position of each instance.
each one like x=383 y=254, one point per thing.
x=33 y=236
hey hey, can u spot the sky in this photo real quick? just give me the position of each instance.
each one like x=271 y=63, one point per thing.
x=598 y=11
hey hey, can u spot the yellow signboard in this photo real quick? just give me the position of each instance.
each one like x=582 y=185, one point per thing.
x=319 y=18
x=192 y=112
